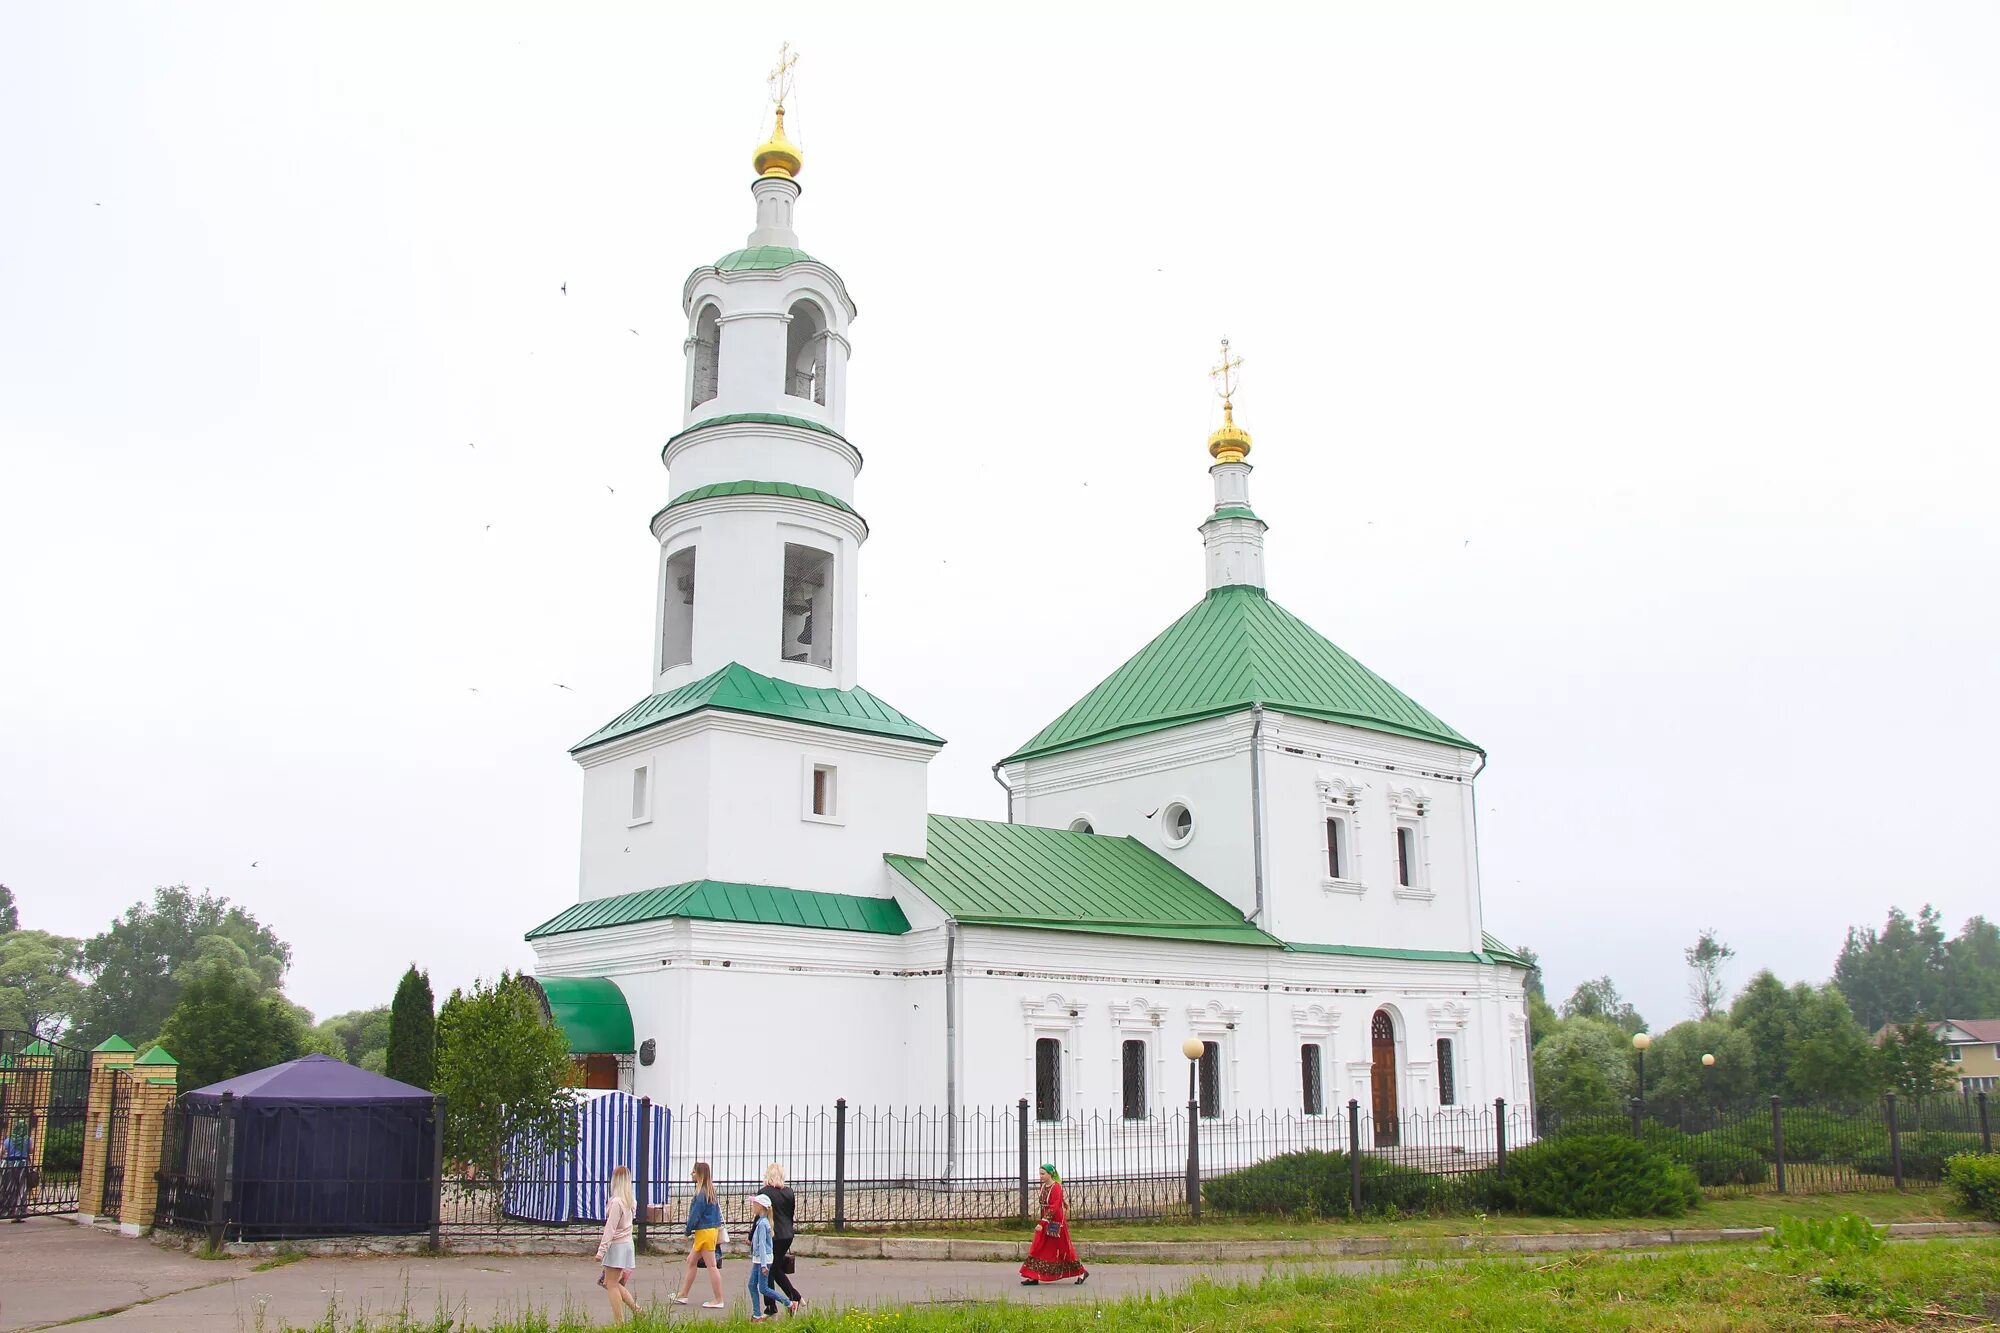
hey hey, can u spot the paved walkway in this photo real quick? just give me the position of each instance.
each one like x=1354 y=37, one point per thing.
x=52 y=1270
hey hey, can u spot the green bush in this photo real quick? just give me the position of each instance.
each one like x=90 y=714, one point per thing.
x=1975 y=1178
x=1813 y=1135
x=1714 y=1158
x=1316 y=1184
x=1596 y=1175
x=1924 y=1155
x=63 y=1155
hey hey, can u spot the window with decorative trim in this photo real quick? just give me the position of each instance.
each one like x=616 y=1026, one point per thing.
x=1048 y=1078
x=805 y=353
x=1312 y=1078
x=1132 y=1077
x=1411 y=809
x=1340 y=850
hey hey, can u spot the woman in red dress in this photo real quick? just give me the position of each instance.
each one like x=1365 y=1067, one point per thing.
x=1052 y=1257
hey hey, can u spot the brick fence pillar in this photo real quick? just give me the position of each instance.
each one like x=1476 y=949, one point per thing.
x=109 y=1062
x=156 y=1081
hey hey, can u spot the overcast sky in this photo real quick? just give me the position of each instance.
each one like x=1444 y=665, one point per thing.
x=1623 y=380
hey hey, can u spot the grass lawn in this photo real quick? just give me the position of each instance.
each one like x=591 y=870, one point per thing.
x=1925 y=1205
x=1952 y=1283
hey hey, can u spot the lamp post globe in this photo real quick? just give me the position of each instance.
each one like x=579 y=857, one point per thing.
x=1708 y=1062
x=1640 y=1041
x=1192 y=1048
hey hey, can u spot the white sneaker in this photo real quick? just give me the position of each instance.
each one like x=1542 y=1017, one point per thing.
x=680 y=1300
x=715 y=1305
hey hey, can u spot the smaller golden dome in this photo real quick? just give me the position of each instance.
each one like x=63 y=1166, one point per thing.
x=1231 y=442
x=777 y=155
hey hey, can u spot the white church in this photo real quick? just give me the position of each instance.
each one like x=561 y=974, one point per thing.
x=1241 y=837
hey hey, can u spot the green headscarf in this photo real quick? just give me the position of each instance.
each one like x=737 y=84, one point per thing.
x=1053 y=1173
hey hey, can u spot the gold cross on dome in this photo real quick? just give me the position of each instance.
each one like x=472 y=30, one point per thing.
x=780 y=78
x=1224 y=374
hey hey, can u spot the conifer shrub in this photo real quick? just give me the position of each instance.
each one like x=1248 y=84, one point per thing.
x=1975 y=1179
x=1317 y=1184
x=1596 y=1175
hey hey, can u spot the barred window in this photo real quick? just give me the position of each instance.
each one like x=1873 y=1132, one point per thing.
x=1048 y=1078
x=1309 y=1079
x=1134 y=1081
x=1447 y=1076
x=1211 y=1080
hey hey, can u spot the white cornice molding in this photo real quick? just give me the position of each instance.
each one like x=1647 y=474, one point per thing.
x=698 y=434
x=823 y=518
x=712 y=720
x=691 y=289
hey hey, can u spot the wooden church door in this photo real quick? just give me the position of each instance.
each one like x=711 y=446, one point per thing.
x=1382 y=1079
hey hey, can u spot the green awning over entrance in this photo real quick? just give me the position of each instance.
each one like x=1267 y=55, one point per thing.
x=592 y=1013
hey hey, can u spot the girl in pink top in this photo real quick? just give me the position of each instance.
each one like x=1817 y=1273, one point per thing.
x=614 y=1247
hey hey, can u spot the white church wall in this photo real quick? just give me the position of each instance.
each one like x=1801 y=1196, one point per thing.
x=879 y=796
x=759 y=452
x=1311 y=771
x=670 y=844
x=1204 y=766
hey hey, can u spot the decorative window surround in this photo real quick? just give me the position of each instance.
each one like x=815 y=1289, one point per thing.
x=1342 y=800
x=1052 y=1016
x=1449 y=1018
x=1410 y=809
x=1171 y=814
x=1138 y=1019
x=1315 y=1025
x=1216 y=1022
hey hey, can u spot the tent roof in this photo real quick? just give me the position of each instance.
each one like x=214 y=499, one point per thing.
x=314 y=1078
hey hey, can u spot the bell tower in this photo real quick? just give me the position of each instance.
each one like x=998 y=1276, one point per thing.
x=759 y=539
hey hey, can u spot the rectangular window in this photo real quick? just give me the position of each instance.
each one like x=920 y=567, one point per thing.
x=1048 y=1078
x=1211 y=1080
x=1447 y=1076
x=1954 y=1054
x=642 y=794
x=1406 y=854
x=677 y=612
x=1133 y=1058
x=1309 y=1079
x=806 y=616
x=824 y=790
x=1336 y=849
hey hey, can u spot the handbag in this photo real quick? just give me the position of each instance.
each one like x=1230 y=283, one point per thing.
x=788 y=1265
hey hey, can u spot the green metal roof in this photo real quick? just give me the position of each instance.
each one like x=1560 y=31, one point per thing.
x=37 y=1047
x=1493 y=952
x=157 y=1056
x=112 y=1045
x=737 y=689
x=784 y=489
x=984 y=873
x=762 y=257
x=714 y=900
x=1236 y=648
x=759 y=419
x=1501 y=953
x=591 y=1011
x=1233 y=511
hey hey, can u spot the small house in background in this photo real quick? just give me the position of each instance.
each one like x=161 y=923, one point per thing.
x=1972 y=1047
x=592 y=1013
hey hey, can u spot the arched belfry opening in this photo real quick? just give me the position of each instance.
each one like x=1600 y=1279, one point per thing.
x=707 y=354
x=807 y=618
x=805 y=353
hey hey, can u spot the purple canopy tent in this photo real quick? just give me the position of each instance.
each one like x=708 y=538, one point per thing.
x=317 y=1147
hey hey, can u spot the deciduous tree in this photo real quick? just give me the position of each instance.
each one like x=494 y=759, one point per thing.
x=1705 y=958
x=505 y=1073
x=1912 y=1060
x=226 y=1024
x=1600 y=999
x=39 y=992
x=137 y=968
x=1894 y=974
x=1584 y=1067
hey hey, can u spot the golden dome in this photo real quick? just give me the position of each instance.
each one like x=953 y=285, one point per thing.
x=1231 y=442
x=777 y=155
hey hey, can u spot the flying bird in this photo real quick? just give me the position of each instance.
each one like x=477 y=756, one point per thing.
x=559 y=685
x=565 y=287
x=253 y=865
x=613 y=491
x=1154 y=811
x=633 y=332
x=470 y=445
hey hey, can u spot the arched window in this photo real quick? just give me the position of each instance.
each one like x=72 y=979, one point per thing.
x=805 y=353
x=677 y=612
x=707 y=353
x=806 y=617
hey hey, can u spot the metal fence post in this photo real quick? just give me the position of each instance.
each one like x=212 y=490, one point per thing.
x=1021 y=1122
x=642 y=1170
x=218 y=1189
x=1895 y=1143
x=1194 y=1156
x=1778 y=1142
x=1500 y=1137
x=437 y=1172
x=1354 y=1156
x=840 y=1164
x=1985 y=1127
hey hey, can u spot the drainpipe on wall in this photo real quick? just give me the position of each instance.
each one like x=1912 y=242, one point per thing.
x=1257 y=806
x=1009 y=790
x=951 y=1048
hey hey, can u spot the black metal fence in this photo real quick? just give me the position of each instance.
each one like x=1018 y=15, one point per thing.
x=852 y=1166
x=44 y=1101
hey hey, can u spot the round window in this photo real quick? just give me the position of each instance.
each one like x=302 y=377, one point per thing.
x=1080 y=825
x=1179 y=824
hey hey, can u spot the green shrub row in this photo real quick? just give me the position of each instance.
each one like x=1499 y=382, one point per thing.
x=1975 y=1178
x=1596 y=1175
x=1318 y=1184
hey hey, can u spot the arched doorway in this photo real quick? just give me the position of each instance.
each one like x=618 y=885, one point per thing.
x=1382 y=1078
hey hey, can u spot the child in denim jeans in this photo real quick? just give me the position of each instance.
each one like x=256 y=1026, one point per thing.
x=761 y=1290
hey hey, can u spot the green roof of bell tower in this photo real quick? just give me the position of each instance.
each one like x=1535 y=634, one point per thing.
x=1236 y=648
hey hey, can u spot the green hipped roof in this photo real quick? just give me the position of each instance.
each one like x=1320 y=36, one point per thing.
x=1236 y=648
x=759 y=419
x=112 y=1045
x=737 y=689
x=784 y=489
x=762 y=256
x=157 y=1056
x=715 y=900
x=37 y=1047
x=592 y=1013
x=1232 y=511
x=984 y=873
x=1501 y=953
